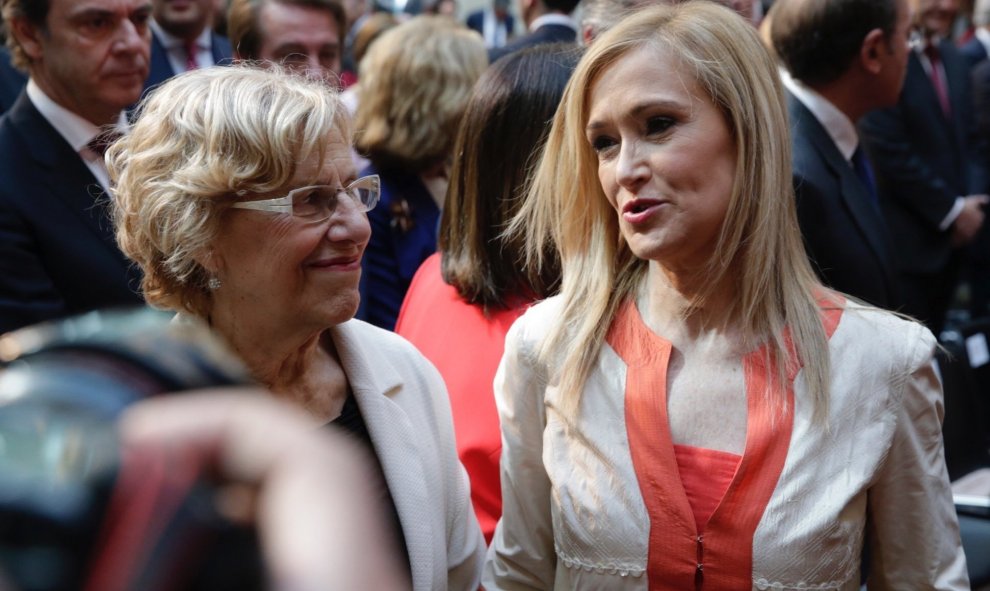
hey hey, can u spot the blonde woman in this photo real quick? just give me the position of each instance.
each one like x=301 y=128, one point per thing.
x=415 y=83
x=236 y=195
x=695 y=410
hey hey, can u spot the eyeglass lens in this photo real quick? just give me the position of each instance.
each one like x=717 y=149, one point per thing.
x=316 y=202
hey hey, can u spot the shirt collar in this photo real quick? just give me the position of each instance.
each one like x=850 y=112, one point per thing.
x=552 y=19
x=918 y=42
x=170 y=41
x=839 y=127
x=983 y=36
x=76 y=130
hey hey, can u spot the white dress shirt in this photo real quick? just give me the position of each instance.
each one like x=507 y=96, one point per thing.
x=552 y=19
x=839 y=127
x=983 y=36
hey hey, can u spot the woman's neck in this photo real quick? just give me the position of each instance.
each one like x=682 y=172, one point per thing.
x=300 y=366
x=686 y=304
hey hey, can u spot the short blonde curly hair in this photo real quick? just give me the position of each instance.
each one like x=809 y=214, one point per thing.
x=415 y=82
x=198 y=139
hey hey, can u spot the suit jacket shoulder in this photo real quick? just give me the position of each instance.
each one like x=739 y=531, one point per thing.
x=223 y=53
x=475 y=21
x=58 y=255
x=551 y=33
x=973 y=51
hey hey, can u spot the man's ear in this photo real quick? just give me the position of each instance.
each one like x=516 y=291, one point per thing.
x=28 y=36
x=872 y=49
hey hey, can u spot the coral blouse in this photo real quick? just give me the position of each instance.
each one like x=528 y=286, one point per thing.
x=705 y=476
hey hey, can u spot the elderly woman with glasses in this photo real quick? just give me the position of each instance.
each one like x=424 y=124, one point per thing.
x=236 y=194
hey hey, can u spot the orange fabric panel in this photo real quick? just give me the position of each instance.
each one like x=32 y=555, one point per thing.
x=680 y=556
x=705 y=475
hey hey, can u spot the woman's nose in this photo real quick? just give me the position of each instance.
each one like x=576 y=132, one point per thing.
x=348 y=223
x=632 y=168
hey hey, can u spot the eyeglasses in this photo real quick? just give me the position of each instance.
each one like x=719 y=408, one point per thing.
x=318 y=202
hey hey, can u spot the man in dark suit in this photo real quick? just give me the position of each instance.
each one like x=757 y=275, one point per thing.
x=549 y=21
x=495 y=24
x=930 y=167
x=87 y=60
x=183 y=39
x=843 y=59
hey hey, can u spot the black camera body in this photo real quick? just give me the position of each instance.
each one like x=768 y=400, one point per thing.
x=74 y=512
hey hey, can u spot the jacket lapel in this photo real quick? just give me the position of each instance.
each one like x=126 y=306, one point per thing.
x=393 y=436
x=854 y=195
x=63 y=174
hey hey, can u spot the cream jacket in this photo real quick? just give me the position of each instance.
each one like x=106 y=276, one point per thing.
x=596 y=503
x=405 y=407
x=404 y=404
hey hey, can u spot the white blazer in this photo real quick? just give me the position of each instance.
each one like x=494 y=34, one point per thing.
x=575 y=515
x=405 y=406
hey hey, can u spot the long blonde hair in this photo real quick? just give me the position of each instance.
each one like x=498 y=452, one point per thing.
x=759 y=247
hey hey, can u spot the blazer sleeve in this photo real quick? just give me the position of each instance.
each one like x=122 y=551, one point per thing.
x=521 y=555
x=911 y=181
x=913 y=530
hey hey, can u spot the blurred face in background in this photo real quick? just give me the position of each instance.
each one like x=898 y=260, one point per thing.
x=935 y=17
x=185 y=19
x=305 y=39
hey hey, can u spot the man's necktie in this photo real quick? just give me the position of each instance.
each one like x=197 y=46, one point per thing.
x=935 y=58
x=191 y=51
x=102 y=141
x=861 y=164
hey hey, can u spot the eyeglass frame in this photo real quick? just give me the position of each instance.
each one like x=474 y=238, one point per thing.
x=284 y=204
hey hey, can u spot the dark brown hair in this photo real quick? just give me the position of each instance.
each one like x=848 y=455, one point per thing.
x=244 y=27
x=499 y=140
x=817 y=40
x=34 y=12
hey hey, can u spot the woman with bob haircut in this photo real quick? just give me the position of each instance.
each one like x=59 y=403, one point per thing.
x=236 y=194
x=695 y=410
x=463 y=300
x=415 y=82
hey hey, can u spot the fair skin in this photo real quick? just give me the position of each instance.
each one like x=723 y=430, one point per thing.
x=304 y=38
x=185 y=19
x=318 y=520
x=666 y=163
x=92 y=56
x=286 y=281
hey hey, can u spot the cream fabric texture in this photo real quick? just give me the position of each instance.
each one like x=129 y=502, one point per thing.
x=573 y=516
